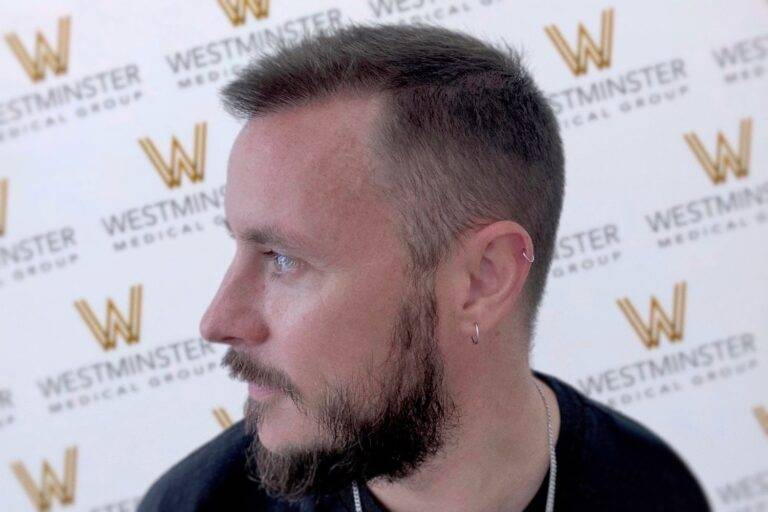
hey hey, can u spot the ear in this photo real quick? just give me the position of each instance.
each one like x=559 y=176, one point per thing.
x=493 y=271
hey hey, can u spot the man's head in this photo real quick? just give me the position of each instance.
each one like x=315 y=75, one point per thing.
x=409 y=168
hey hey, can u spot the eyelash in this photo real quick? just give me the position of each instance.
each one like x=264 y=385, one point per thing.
x=272 y=256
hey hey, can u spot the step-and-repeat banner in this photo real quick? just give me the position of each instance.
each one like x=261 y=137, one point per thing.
x=113 y=151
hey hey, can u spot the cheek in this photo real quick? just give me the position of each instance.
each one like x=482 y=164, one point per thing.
x=337 y=337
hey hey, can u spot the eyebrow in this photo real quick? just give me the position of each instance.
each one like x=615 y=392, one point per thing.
x=271 y=235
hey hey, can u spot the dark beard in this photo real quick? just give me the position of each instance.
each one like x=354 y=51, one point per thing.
x=383 y=429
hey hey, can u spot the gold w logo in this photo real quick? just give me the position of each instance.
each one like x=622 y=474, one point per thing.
x=51 y=485
x=116 y=322
x=222 y=416
x=45 y=56
x=725 y=157
x=586 y=48
x=237 y=10
x=659 y=321
x=181 y=162
x=761 y=413
x=3 y=204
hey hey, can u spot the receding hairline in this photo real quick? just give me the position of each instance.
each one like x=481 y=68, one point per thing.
x=361 y=187
x=380 y=115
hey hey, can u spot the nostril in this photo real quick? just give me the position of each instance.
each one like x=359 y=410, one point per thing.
x=213 y=329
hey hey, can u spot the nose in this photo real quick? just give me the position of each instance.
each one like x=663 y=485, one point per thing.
x=233 y=316
x=211 y=325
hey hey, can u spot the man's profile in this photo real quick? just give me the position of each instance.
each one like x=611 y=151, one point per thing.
x=395 y=195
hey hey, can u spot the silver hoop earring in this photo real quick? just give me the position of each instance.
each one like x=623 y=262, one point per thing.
x=525 y=255
x=476 y=339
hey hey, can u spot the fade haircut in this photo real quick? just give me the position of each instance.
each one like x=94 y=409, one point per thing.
x=466 y=137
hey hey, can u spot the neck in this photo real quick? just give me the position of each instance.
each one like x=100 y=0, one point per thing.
x=500 y=454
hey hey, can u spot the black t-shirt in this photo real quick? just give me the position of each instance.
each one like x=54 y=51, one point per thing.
x=605 y=461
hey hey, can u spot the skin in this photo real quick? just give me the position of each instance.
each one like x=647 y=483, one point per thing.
x=326 y=321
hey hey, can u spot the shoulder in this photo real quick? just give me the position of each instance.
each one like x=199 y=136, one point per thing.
x=618 y=458
x=213 y=470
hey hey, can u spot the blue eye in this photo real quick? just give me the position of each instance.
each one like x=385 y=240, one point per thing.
x=281 y=261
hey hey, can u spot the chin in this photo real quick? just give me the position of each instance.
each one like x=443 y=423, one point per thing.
x=279 y=430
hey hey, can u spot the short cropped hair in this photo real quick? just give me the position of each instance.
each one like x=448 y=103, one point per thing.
x=466 y=136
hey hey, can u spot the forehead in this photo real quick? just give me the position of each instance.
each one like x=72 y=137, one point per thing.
x=309 y=170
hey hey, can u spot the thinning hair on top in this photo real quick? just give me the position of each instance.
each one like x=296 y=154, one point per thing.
x=466 y=138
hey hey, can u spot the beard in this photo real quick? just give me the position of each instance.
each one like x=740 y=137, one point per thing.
x=384 y=428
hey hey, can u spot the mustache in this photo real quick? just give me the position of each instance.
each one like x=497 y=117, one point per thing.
x=242 y=367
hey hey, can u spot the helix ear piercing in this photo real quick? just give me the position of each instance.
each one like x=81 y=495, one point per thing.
x=525 y=255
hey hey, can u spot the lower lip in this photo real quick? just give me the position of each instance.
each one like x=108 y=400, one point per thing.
x=259 y=392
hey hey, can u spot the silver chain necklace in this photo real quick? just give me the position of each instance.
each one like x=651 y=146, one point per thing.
x=552 y=463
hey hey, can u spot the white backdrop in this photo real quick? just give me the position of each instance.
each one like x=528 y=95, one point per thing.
x=665 y=122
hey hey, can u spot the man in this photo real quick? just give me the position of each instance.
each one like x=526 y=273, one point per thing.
x=394 y=196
